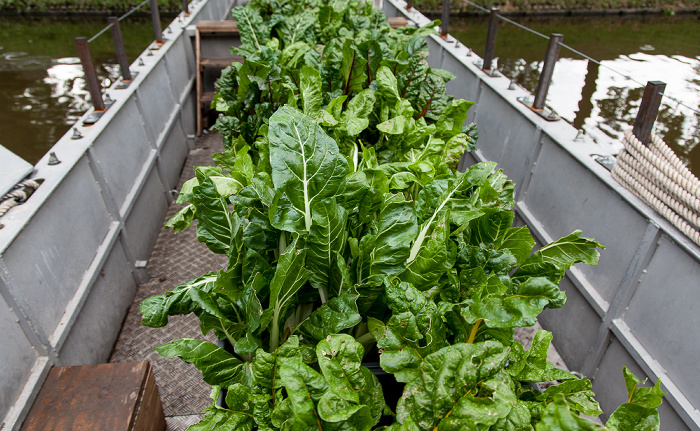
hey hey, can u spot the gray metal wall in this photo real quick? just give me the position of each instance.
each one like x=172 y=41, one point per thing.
x=639 y=306
x=69 y=256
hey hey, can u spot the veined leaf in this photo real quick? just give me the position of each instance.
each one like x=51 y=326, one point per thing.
x=218 y=367
x=352 y=69
x=217 y=227
x=156 y=309
x=310 y=88
x=534 y=366
x=253 y=30
x=328 y=235
x=432 y=207
x=306 y=163
x=397 y=227
x=460 y=387
x=558 y=416
x=289 y=276
x=330 y=318
x=297 y=28
x=578 y=394
x=640 y=412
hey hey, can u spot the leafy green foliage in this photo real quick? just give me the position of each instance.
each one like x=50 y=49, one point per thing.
x=348 y=233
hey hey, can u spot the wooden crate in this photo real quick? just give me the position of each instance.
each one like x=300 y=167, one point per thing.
x=105 y=397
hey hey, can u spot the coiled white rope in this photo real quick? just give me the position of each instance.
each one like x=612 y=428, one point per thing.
x=660 y=179
x=17 y=195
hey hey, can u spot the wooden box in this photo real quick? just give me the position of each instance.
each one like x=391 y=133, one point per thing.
x=105 y=397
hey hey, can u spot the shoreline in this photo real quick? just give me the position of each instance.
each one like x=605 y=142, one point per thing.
x=436 y=14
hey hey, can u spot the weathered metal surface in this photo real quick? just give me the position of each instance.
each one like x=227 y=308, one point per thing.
x=81 y=43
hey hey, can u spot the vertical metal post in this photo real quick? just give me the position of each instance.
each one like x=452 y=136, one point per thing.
x=119 y=48
x=490 y=49
x=186 y=7
x=155 y=17
x=90 y=75
x=445 y=18
x=648 y=111
x=409 y=4
x=550 y=60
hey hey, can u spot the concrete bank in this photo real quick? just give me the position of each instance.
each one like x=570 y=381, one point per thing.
x=637 y=308
x=72 y=256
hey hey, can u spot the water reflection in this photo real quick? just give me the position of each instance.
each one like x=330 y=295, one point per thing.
x=595 y=97
x=42 y=89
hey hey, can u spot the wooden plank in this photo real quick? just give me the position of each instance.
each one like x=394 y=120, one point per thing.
x=150 y=416
x=397 y=21
x=220 y=26
x=96 y=397
x=219 y=61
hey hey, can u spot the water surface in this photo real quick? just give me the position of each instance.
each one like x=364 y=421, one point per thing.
x=595 y=97
x=42 y=89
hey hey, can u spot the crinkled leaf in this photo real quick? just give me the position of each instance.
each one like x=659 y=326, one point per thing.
x=310 y=89
x=217 y=227
x=332 y=317
x=578 y=394
x=327 y=236
x=218 y=367
x=535 y=366
x=156 y=309
x=306 y=163
x=558 y=416
x=459 y=387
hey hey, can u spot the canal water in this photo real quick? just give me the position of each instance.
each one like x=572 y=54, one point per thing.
x=42 y=89
x=603 y=99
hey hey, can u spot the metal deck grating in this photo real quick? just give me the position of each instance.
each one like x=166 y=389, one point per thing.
x=176 y=259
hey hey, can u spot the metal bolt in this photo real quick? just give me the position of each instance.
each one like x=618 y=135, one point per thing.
x=150 y=52
x=141 y=63
x=169 y=31
x=579 y=136
x=469 y=54
x=552 y=115
x=511 y=86
x=76 y=134
x=108 y=99
x=53 y=160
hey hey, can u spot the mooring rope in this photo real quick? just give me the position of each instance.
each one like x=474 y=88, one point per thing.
x=17 y=195
x=659 y=178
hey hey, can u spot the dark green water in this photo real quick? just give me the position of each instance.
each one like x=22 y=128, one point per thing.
x=42 y=90
x=593 y=97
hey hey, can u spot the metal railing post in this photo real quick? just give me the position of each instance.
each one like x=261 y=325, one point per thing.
x=119 y=48
x=186 y=7
x=550 y=60
x=445 y=18
x=155 y=17
x=490 y=50
x=93 y=84
x=409 y=4
x=648 y=111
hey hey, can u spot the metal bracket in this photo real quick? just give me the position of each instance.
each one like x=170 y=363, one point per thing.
x=96 y=115
x=549 y=116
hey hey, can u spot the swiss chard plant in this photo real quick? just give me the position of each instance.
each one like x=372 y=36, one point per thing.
x=350 y=238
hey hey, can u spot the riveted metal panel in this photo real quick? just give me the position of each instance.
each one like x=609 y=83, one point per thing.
x=673 y=303
x=174 y=63
x=574 y=326
x=156 y=99
x=121 y=150
x=146 y=217
x=73 y=219
x=558 y=199
x=172 y=154
x=16 y=358
x=92 y=336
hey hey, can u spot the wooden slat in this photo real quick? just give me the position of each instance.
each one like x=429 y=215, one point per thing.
x=206 y=97
x=221 y=26
x=96 y=397
x=219 y=61
x=397 y=21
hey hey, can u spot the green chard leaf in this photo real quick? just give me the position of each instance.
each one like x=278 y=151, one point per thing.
x=311 y=94
x=534 y=366
x=462 y=386
x=332 y=317
x=306 y=164
x=640 y=412
x=558 y=416
x=218 y=367
x=352 y=69
x=181 y=300
x=217 y=227
x=253 y=30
